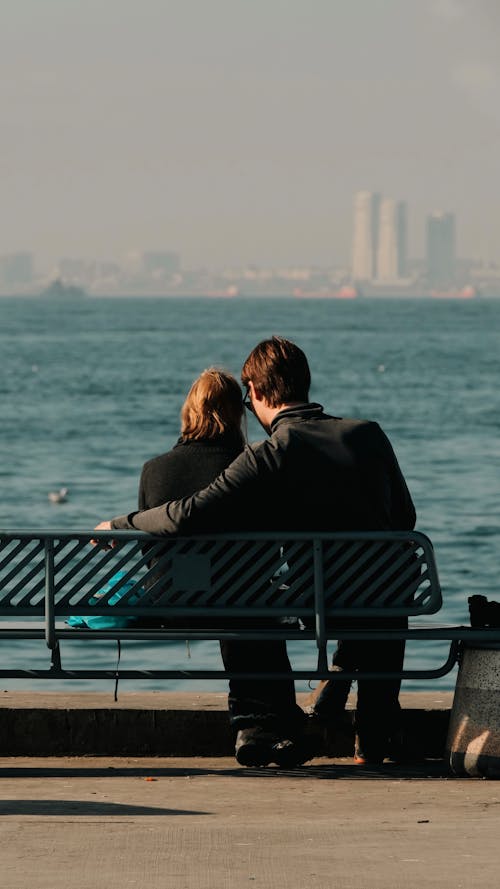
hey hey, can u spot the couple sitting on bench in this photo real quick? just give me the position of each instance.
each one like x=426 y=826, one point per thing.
x=314 y=472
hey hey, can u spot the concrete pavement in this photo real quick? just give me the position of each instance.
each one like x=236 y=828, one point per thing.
x=206 y=823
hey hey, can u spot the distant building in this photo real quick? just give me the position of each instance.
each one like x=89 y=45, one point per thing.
x=392 y=244
x=16 y=269
x=402 y=238
x=441 y=257
x=365 y=235
x=387 y=253
x=379 y=246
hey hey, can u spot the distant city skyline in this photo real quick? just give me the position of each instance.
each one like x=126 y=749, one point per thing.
x=379 y=251
x=381 y=265
x=235 y=133
x=384 y=255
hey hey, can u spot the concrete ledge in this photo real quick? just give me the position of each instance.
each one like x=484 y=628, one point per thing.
x=171 y=724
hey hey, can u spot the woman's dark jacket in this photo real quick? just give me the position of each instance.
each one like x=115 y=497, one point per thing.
x=189 y=466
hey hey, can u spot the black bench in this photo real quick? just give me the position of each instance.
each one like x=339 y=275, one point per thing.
x=240 y=586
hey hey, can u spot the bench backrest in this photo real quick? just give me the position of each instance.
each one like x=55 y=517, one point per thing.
x=226 y=575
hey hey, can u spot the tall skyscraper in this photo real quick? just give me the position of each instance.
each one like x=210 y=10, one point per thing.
x=441 y=249
x=387 y=253
x=401 y=236
x=365 y=235
x=391 y=253
x=379 y=238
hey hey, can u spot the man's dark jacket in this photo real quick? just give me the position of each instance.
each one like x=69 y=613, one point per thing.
x=314 y=472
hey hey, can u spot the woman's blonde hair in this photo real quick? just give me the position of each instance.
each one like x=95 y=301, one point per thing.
x=213 y=407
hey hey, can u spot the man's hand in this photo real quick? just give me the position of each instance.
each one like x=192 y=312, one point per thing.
x=103 y=526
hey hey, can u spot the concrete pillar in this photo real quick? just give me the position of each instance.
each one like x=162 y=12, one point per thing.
x=473 y=744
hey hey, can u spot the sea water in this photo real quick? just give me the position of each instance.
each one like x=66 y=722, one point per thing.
x=90 y=389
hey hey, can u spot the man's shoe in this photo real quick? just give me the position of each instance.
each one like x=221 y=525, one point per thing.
x=366 y=756
x=254 y=747
x=287 y=754
x=361 y=760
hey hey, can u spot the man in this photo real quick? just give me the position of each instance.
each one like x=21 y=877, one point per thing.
x=314 y=472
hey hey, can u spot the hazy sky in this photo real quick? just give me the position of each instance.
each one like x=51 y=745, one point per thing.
x=237 y=131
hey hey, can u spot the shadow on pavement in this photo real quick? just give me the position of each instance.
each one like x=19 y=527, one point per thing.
x=320 y=770
x=68 y=807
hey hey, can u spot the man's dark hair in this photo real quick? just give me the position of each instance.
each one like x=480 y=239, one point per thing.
x=279 y=371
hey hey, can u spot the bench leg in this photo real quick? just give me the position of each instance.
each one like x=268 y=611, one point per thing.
x=55 y=659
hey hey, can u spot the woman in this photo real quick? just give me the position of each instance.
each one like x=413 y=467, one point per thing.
x=211 y=438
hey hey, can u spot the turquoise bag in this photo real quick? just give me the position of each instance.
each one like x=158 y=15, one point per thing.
x=106 y=621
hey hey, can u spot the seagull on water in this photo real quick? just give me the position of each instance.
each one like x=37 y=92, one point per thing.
x=59 y=496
